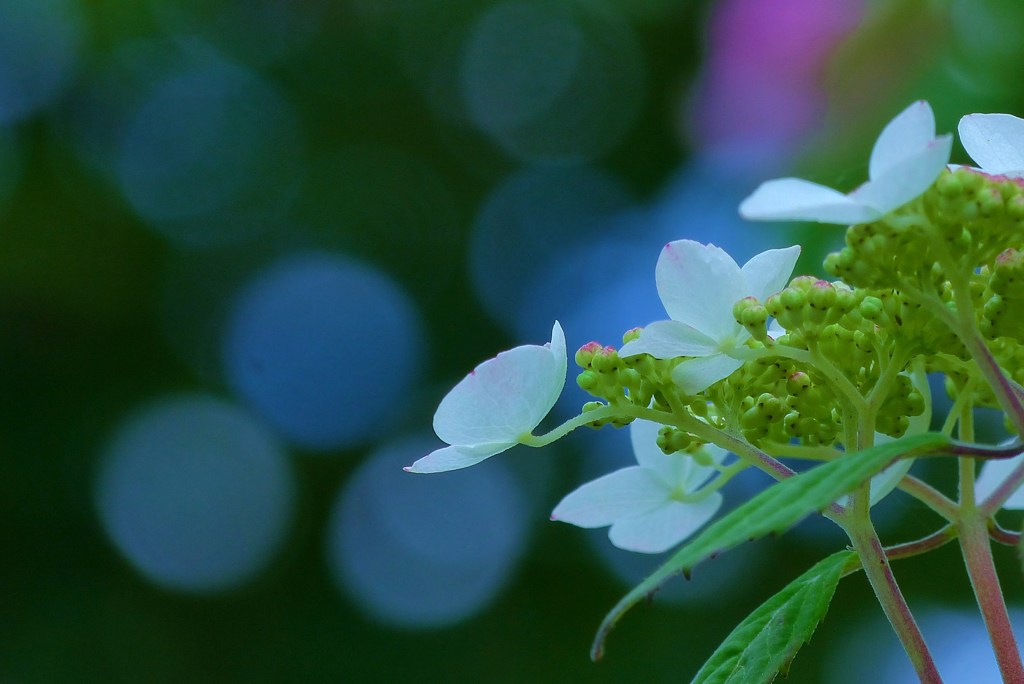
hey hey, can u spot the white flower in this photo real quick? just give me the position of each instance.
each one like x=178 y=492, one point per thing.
x=497 y=404
x=642 y=502
x=995 y=142
x=994 y=473
x=905 y=161
x=699 y=284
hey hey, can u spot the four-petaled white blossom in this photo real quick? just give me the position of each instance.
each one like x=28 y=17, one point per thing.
x=699 y=284
x=497 y=405
x=905 y=161
x=646 y=504
x=995 y=142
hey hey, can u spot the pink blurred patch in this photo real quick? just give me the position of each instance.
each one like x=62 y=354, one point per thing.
x=766 y=58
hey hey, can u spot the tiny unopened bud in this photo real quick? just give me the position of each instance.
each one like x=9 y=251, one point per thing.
x=588 y=380
x=798 y=383
x=871 y=308
x=585 y=354
x=605 y=361
x=631 y=334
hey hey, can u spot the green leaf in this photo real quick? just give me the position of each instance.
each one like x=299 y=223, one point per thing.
x=765 y=643
x=775 y=510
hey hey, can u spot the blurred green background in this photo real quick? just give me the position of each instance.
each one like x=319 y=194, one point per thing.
x=247 y=245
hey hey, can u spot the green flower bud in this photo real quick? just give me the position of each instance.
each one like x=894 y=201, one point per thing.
x=631 y=334
x=798 y=383
x=605 y=361
x=753 y=316
x=585 y=354
x=588 y=380
x=870 y=308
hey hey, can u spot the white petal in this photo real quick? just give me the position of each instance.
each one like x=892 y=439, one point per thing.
x=669 y=339
x=504 y=397
x=907 y=179
x=676 y=471
x=884 y=482
x=455 y=457
x=698 y=285
x=768 y=272
x=557 y=347
x=625 y=493
x=993 y=474
x=903 y=137
x=694 y=375
x=664 y=527
x=793 y=199
x=994 y=141
x=643 y=435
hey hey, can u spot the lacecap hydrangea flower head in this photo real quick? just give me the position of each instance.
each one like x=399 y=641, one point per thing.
x=767 y=367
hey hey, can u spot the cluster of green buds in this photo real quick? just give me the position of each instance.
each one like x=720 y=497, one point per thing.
x=962 y=222
x=1002 y=308
x=609 y=378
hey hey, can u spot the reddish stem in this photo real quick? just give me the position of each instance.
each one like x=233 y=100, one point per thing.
x=985 y=582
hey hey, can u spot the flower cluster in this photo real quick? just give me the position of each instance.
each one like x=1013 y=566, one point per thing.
x=753 y=361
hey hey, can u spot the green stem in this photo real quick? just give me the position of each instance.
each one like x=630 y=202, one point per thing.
x=977 y=551
x=585 y=418
x=930 y=497
x=813 y=358
x=1004 y=491
x=678 y=418
x=993 y=374
x=887 y=591
x=967 y=330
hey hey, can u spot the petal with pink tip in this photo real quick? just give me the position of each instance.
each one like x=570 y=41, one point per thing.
x=504 y=397
x=698 y=284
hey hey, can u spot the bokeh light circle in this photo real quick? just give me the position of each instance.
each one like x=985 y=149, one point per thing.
x=532 y=219
x=421 y=551
x=195 y=492
x=324 y=347
x=956 y=638
x=212 y=155
x=552 y=82
x=104 y=99
x=255 y=31
x=39 y=46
